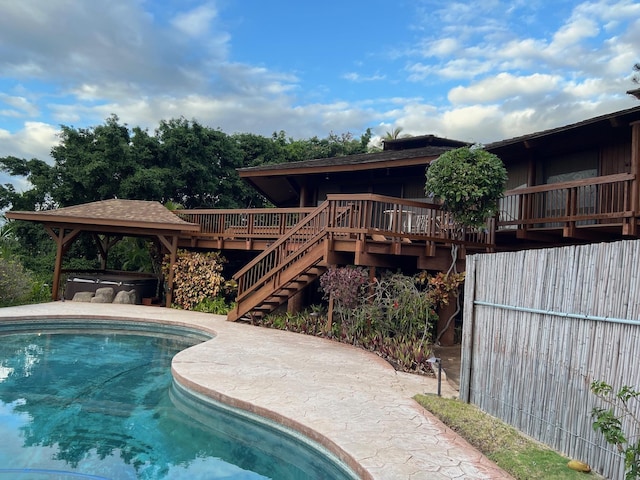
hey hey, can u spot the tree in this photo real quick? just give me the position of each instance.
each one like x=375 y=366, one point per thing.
x=182 y=162
x=202 y=164
x=469 y=181
x=394 y=134
x=91 y=163
x=612 y=421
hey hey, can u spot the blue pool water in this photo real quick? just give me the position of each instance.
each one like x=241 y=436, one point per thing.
x=103 y=405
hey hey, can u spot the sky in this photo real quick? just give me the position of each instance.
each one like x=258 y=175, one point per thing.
x=478 y=71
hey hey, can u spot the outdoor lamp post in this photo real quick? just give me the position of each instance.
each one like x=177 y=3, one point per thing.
x=437 y=360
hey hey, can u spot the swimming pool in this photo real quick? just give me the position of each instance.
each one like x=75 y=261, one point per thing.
x=96 y=403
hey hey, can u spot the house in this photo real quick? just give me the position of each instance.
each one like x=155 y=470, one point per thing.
x=574 y=184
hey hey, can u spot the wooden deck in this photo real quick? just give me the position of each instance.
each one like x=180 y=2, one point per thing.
x=588 y=210
x=296 y=245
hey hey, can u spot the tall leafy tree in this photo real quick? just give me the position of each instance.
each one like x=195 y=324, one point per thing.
x=183 y=162
x=203 y=162
x=91 y=163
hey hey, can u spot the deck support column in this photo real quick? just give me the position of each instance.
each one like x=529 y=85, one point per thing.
x=295 y=303
x=632 y=227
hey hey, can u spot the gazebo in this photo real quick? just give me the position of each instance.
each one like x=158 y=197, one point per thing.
x=113 y=219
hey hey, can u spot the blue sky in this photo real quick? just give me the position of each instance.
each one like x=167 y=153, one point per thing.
x=476 y=71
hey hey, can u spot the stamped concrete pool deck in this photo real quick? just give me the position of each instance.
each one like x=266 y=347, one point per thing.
x=349 y=400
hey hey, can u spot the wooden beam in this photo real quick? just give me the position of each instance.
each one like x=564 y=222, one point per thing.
x=632 y=225
x=536 y=236
x=589 y=235
x=441 y=262
x=104 y=245
x=63 y=242
x=373 y=260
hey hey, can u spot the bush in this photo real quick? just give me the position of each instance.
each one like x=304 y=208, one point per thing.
x=196 y=277
x=216 y=305
x=15 y=282
x=393 y=316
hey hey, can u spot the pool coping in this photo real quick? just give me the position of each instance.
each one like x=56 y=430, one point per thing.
x=348 y=400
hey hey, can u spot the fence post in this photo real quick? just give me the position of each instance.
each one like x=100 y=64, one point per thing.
x=467 y=329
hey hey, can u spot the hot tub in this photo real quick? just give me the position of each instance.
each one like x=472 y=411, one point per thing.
x=144 y=286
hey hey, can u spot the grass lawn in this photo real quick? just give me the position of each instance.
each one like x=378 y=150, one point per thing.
x=517 y=454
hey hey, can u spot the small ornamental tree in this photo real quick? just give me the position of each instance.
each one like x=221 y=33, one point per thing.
x=621 y=414
x=196 y=277
x=469 y=181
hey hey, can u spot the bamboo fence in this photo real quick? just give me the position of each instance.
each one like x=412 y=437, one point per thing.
x=539 y=327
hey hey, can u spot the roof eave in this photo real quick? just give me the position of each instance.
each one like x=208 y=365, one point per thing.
x=42 y=217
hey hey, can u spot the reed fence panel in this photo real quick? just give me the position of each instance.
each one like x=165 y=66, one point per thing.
x=539 y=327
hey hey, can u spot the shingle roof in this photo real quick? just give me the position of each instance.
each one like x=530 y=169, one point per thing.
x=630 y=114
x=114 y=212
x=357 y=159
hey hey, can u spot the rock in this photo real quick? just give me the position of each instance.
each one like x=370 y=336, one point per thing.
x=103 y=295
x=82 y=297
x=125 y=297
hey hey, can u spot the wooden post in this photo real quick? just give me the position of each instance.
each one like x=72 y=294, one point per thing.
x=295 y=303
x=447 y=337
x=632 y=227
x=63 y=242
x=58 y=266
x=468 y=327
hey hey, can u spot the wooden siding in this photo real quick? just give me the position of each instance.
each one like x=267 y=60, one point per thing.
x=615 y=158
x=539 y=327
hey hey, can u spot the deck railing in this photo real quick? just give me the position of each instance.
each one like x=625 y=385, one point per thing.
x=590 y=201
x=245 y=223
x=347 y=215
x=359 y=216
x=398 y=219
x=285 y=251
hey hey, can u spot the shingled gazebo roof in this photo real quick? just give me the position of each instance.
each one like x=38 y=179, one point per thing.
x=109 y=217
x=126 y=216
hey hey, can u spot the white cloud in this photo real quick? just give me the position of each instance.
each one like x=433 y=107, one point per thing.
x=20 y=106
x=196 y=22
x=573 y=33
x=443 y=47
x=358 y=78
x=478 y=71
x=34 y=140
x=503 y=86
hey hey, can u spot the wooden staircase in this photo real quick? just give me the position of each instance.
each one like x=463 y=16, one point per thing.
x=285 y=268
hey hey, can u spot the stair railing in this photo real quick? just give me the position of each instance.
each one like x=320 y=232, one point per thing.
x=285 y=251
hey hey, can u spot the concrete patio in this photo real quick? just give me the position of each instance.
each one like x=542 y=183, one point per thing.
x=349 y=400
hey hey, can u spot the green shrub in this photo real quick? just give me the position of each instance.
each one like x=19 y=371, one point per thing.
x=40 y=292
x=196 y=277
x=216 y=305
x=469 y=181
x=620 y=413
x=15 y=282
